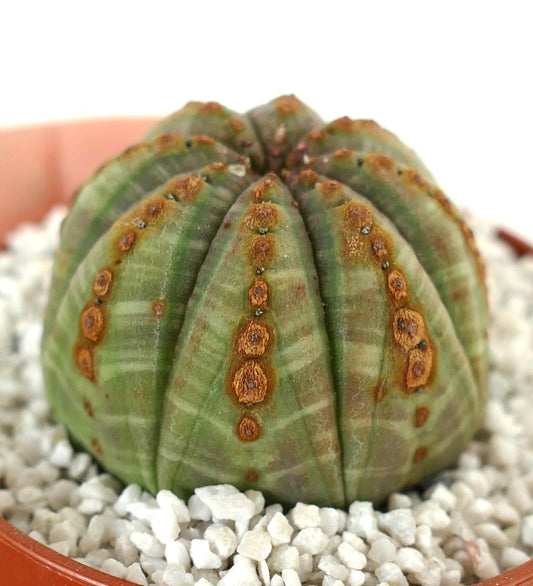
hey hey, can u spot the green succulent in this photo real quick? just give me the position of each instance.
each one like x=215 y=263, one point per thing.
x=268 y=301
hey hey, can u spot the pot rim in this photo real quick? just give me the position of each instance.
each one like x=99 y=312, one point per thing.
x=26 y=561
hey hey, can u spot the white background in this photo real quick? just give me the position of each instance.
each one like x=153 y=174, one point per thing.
x=452 y=79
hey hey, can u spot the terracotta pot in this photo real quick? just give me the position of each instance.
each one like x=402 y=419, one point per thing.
x=62 y=156
x=26 y=562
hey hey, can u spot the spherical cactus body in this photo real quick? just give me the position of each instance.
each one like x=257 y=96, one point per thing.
x=267 y=301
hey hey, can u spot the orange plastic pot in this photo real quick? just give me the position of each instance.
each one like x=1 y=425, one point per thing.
x=42 y=167
x=26 y=562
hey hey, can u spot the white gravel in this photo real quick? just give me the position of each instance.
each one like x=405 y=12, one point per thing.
x=471 y=523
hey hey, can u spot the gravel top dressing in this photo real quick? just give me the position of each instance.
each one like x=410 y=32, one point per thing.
x=466 y=524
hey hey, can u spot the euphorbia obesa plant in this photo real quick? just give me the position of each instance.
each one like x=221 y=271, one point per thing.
x=268 y=301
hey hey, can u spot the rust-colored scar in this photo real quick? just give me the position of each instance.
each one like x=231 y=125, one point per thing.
x=363 y=240
x=93 y=317
x=251 y=378
x=248 y=429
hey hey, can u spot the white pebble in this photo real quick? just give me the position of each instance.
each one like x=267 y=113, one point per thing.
x=332 y=521
x=351 y=557
x=503 y=452
x=290 y=577
x=450 y=578
x=484 y=564
x=79 y=465
x=7 y=500
x=242 y=573
x=202 y=556
x=505 y=514
x=492 y=534
x=480 y=510
x=175 y=576
x=125 y=550
x=465 y=494
x=331 y=566
x=526 y=531
x=444 y=497
x=361 y=519
x=264 y=572
x=382 y=550
x=65 y=548
x=391 y=574
x=165 y=525
x=130 y=494
x=431 y=514
x=167 y=500
x=310 y=540
x=398 y=500
x=284 y=556
x=147 y=543
x=144 y=509
x=431 y=575
x=198 y=510
x=424 y=539
x=355 y=541
x=257 y=498
x=512 y=557
x=32 y=446
x=222 y=540
x=400 y=524
x=152 y=565
x=279 y=529
x=205 y=582
x=303 y=516
x=176 y=553
x=59 y=494
x=135 y=574
x=98 y=556
x=469 y=461
x=306 y=566
x=519 y=496
x=38 y=536
x=478 y=481
x=115 y=568
x=48 y=473
x=460 y=527
x=226 y=502
x=329 y=581
x=29 y=494
x=62 y=453
x=64 y=531
x=91 y=506
x=410 y=559
x=255 y=545
x=97 y=489
x=356 y=578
